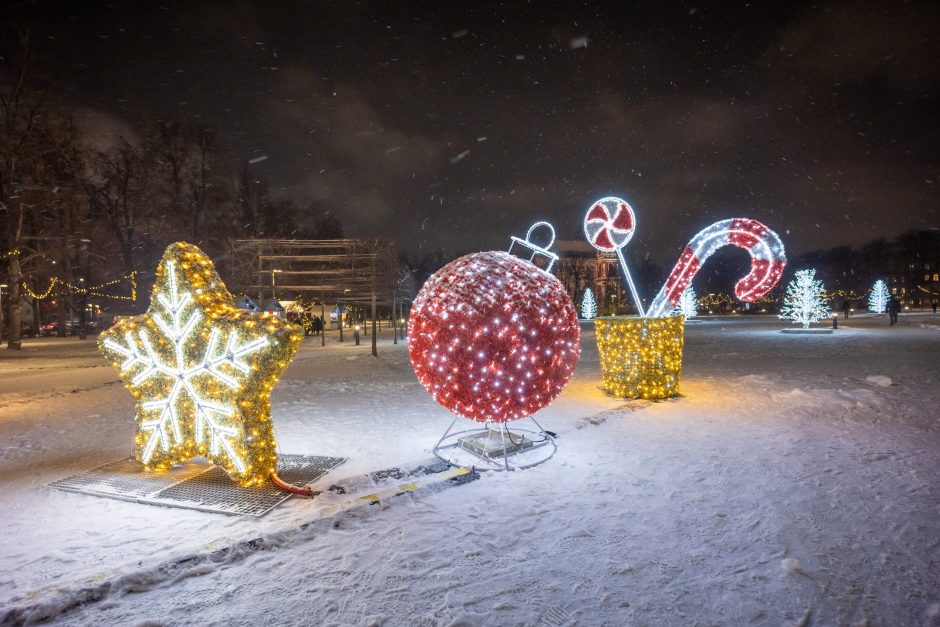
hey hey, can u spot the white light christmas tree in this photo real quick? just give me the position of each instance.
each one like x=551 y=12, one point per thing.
x=878 y=300
x=588 y=305
x=687 y=306
x=805 y=302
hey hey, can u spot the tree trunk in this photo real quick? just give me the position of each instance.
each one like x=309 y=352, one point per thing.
x=62 y=300
x=34 y=306
x=62 y=311
x=12 y=302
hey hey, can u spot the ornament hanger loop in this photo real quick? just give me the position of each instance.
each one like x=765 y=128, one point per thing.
x=536 y=248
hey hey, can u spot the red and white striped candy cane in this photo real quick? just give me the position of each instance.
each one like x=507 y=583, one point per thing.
x=767 y=262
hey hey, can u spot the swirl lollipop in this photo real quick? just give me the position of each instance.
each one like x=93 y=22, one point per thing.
x=608 y=226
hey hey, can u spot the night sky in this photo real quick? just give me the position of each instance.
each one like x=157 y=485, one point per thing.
x=457 y=124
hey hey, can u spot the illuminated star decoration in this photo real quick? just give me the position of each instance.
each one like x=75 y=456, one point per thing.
x=201 y=371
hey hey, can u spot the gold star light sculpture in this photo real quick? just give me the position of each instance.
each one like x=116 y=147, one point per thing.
x=201 y=371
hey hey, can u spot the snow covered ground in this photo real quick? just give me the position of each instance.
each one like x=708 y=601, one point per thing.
x=796 y=481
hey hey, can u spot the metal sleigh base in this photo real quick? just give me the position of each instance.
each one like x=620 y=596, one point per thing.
x=490 y=446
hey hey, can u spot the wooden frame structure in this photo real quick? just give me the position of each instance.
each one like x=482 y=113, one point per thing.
x=341 y=271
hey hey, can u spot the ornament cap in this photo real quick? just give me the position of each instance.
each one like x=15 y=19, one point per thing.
x=536 y=248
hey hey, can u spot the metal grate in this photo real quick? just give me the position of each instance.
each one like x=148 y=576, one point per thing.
x=196 y=485
x=125 y=479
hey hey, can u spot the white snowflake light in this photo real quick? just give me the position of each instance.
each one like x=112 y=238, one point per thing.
x=805 y=302
x=878 y=299
x=201 y=370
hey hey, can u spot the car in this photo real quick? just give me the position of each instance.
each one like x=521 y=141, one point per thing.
x=52 y=328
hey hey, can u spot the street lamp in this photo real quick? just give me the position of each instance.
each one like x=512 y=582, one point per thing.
x=273 y=297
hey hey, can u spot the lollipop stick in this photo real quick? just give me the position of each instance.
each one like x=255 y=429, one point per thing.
x=626 y=274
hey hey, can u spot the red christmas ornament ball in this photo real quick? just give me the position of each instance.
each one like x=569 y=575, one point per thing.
x=493 y=338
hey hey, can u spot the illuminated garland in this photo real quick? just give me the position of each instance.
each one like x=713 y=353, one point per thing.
x=201 y=370
x=45 y=294
x=714 y=299
x=91 y=291
x=848 y=294
x=10 y=253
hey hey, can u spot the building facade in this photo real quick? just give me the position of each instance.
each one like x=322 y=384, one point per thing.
x=580 y=266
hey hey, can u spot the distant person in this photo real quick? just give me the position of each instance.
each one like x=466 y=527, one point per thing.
x=894 y=308
x=317 y=325
x=846 y=308
x=934 y=307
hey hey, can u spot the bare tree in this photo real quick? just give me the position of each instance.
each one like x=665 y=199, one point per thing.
x=19 y=116
x=118 y=193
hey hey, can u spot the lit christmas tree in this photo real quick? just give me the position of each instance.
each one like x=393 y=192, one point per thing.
x=687 y=306
x=588 y=305
x=878 y=300
x=805 y=302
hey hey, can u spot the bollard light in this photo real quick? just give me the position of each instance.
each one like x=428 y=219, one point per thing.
x=356 y=334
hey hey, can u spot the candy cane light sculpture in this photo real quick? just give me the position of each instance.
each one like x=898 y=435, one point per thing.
x=768 y=260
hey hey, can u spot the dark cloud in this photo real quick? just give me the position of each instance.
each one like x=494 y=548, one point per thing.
x=818 y=119
x=854 y=41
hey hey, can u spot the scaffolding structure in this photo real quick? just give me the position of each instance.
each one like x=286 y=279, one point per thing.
x=345 y=272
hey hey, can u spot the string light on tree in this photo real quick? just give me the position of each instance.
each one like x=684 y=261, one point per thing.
x=588 y=305
x=804 y=302
x=878 y=300
x=201 y=371
x=687 y=307
x=95 y=290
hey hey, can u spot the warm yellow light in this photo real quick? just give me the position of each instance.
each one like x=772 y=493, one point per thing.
x=201 y=371
x=640 y=357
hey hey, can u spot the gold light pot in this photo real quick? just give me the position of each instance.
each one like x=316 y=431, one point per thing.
x=641 y=357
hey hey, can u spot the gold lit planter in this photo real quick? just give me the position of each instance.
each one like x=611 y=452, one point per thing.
x=641 y=357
